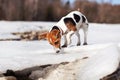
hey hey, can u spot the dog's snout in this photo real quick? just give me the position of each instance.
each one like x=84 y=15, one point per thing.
x=57 y=50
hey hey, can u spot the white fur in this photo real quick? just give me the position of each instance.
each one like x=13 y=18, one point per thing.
x=79 y=25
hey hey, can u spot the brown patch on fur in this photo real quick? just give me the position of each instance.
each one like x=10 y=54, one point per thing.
x=54 y=38
x=71 y=27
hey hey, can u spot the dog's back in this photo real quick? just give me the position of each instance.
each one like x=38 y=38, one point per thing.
x=75 y=17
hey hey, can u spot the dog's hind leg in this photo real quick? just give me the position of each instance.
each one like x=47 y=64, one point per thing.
x=78 y=36
x=85 y=30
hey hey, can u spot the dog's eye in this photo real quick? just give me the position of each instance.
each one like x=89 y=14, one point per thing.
x=51 y=43
x=56 y=42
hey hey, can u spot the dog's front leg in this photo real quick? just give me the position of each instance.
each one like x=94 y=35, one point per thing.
x=65 y=41
x=68 y=37
x=78 y=36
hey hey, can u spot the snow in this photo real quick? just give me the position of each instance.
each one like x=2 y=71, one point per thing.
x=104 y=62
x=104 y=33
x=8 y=36
x=102 y=51
x=19 y=26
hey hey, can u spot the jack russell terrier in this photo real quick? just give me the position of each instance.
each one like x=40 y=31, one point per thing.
x=67 y=26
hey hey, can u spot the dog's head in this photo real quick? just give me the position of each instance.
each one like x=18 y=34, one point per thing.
x=54 y=38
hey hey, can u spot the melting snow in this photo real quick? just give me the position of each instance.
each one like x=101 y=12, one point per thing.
x=102 y=52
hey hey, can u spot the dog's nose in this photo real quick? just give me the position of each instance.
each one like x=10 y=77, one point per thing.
x=57 y=51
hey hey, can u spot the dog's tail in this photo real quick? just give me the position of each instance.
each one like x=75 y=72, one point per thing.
x=78 y=9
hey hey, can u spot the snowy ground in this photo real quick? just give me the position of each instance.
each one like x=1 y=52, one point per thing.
x=102 y=51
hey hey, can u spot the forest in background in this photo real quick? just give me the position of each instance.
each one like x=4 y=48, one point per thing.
x=53 y=10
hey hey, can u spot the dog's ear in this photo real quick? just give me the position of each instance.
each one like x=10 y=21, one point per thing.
x=43 y=36
x=47 y=36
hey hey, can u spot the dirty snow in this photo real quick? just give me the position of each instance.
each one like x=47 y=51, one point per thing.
x=102 y=51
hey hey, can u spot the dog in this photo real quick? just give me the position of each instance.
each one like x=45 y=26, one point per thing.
x=67 y=26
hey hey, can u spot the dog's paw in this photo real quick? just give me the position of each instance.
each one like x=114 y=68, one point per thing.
x=63 y=46
x=85 y=44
